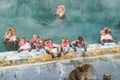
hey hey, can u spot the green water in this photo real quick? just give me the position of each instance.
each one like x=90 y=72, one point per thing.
x=83 y=17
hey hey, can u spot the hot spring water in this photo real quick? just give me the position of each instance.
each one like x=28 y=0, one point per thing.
x=83 y=18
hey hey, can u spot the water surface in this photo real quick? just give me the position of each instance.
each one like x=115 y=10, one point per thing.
x=83 y=18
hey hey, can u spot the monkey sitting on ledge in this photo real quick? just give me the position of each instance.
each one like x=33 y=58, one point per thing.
x=80 y=73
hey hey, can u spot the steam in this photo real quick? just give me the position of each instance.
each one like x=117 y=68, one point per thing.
x=6 y=4
x=83 y=18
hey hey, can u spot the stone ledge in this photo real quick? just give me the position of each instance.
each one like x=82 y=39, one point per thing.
x=47 y=57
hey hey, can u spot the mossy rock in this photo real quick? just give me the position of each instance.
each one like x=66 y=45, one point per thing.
x=101 y=51
x=41 y=58
x=69 y=55
x=4 y=63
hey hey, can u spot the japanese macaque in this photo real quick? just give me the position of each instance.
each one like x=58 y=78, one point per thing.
x=80 y=73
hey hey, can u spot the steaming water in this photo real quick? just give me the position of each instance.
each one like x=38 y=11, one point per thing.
x=83 y=17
